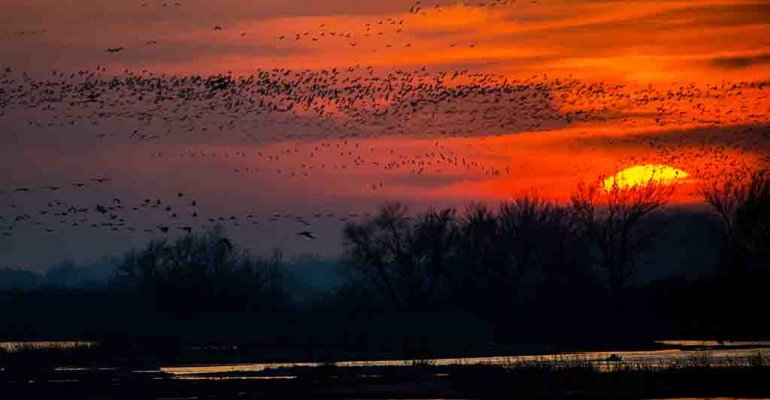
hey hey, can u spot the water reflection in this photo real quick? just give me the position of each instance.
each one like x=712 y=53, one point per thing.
x=602 y=360
x=714 y=343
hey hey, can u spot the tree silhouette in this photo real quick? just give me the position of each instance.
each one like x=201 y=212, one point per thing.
x=621 y=221
x=378 y=253
x=200 y=272
x=435 y=250
x=478 y=261
x=743 y=205
x=551 y=236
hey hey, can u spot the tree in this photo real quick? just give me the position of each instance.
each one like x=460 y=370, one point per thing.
x=479 y=264
x=200 y=273
x=742 y=203
x=435 y=248
x=377 y=253
x=524 y=227
x=621 y=222
x=547 y=242
x=479 y=261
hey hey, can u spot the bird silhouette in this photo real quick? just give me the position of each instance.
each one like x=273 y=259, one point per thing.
x=306 y=234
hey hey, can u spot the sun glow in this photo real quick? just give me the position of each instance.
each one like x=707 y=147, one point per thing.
x=643 y=174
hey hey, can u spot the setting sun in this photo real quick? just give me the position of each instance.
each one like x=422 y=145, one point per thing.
x=642 y=174
x=384 y=199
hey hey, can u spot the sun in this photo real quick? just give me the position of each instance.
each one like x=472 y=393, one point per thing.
x=643 y=174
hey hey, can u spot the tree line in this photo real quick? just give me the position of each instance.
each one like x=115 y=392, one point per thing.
x=525 y=269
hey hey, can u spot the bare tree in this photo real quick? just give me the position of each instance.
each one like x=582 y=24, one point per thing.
x=545 y=240
x=523 y=225
x=200 y=272
x=479 y=265
x=482 y=260
x=528 y=240
x=379 y=255
x=435 y=248
x=742 y=202
x=620 y=221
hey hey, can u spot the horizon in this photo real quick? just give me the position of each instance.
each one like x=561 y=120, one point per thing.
x=445 y=199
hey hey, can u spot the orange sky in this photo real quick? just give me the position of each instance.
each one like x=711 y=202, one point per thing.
x=630 y=40
x=686 y=56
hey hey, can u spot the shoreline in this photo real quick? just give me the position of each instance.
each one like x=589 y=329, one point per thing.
x=420 y=380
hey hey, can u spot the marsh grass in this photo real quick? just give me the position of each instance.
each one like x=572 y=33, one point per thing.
x=557 y=377
x=36 y=346
x=422 y=363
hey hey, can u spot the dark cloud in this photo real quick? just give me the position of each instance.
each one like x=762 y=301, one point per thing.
x=712 y=15
x=724 y=15
x=738 y=62
x=188 y=51
x=750 y=138
x=707 y=16
x=428 y=181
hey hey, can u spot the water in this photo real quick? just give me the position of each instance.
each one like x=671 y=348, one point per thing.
x=602 y=359
x=700 y=352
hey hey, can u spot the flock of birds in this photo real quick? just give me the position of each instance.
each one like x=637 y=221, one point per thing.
x=386 y=28
x=338 y=109
x=355 y=101
x=156 y=216
x=332 y=113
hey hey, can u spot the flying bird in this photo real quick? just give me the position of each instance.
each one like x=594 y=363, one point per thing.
x=306 y=234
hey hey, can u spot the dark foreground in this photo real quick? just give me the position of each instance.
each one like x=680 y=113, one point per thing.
x=567 y=379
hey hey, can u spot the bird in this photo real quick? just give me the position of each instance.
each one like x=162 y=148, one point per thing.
x=306 y=234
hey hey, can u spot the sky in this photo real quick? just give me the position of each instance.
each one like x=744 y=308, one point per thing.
x=352 y=104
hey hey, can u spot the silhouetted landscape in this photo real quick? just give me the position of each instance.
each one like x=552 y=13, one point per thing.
x=526 y=276
x=402 y=199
